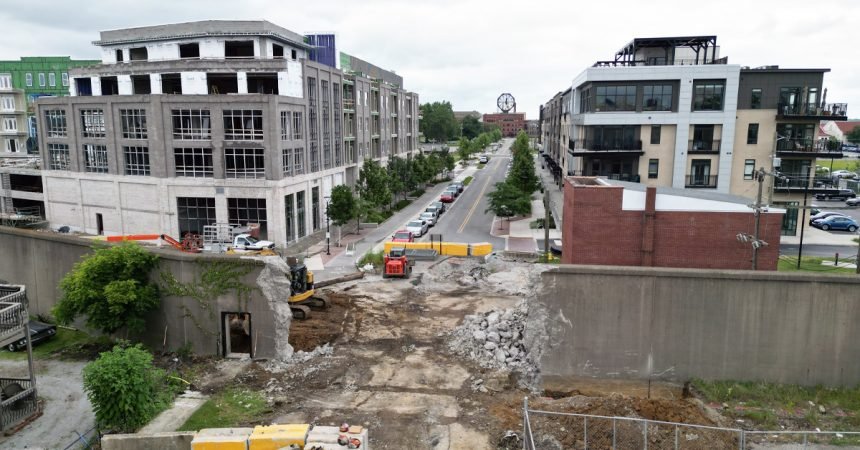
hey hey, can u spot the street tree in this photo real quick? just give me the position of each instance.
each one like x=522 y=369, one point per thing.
x=438 y=122
x=464 y=150
x=506 y=200
x=853 y=135
x=471 y=127
x=522 y=174
x=342 y=208
x=111 y=287
x=373 y=185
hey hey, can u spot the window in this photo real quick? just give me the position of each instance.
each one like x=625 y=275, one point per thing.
x=755 y=99
x=616 y=98
x=243 y=125
x=8 y=103
x=191 y=50
x=286 y=159
x=239 y=49
x=138 y=54
x=789 y=219
x=10 y=124
x=752 y=134
x=285 y=125
x=298 y=126
x=289 y=210
x=136 y=160
x=277 y=51
x=29 y=79
x=248 y=210
x=298 y=161
x=95 y=158
x=92 y=123
x=655 y=135
x=244 y=163
x=133 y=123
x=58 y=156
x=315 y=208
x=118 y=54
x=194 y=213
x=55 y=123
x=42 y=79
x=191 y=124
x=749 y=169
x=293 y=54
x=657 y=98
x=6 y=80
x=52 y=79
x=11 y=145
x=653 y=167
x=65 y=79
x=193 y=162
x=708 y=95
x=300 y=214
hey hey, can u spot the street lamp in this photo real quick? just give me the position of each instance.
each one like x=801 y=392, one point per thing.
x=327 y=226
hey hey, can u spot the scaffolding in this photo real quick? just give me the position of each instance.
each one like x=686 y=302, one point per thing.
x=18 y=401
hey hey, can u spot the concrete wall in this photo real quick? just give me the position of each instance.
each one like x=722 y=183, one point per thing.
x=39 y=260
x=674 y=324
x=156 y=441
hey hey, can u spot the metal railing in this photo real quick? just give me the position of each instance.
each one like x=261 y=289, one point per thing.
x=18 y=401
x=703 y=146
x=801 y=145
x=85 y=440
x=585 y=431
x=663 y=62
x=813 y=109
x=701 y=181
x=597 y=145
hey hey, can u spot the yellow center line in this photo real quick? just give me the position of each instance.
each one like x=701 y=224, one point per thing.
x=478 y=200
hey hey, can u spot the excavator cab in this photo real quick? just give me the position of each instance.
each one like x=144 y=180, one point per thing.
x=396 y=264
x=302 y=291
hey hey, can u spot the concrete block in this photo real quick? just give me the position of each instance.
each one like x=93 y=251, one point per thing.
x=222 y=439
x=157 y=441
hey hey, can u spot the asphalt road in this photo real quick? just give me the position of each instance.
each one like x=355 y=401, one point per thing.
x=465 y=219
x=819 y=250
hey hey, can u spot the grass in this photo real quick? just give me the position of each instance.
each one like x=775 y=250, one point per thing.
x=467 y=181
x=65 y=339
x=229 y=408
x=374 y=258
x=809 y=264
x=482 y=165
x=778 y=396
x=839 y=164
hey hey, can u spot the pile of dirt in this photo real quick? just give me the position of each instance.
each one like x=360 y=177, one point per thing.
x=493 y=339
x=322 y=327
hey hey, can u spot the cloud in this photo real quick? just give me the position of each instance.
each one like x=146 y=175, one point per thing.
x=470 y=51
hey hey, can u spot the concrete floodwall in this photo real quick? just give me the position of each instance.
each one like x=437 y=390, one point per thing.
x=39 y=260
x=677 y=324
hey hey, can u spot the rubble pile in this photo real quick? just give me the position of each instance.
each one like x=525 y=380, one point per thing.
x=494 y=339
x=299 y=357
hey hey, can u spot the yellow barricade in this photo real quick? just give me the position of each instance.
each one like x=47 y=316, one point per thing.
x=445 y=248
x=482 y=249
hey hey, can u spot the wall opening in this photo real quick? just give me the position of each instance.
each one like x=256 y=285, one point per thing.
x=239 y=49
x=237 y=333
x=29 y=207
x=119 y=56
x=110 y=86
x=27 y=183
x=171 y=83
x=293 y=55
x=222 y=83
x=262 y=83
x=84 y=87
x=140 y=84
x=100 y=224
x=138 y=54
x=277 y=51
x=191 y=50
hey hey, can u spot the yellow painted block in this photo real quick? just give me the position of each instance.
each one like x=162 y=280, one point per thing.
x=275 y=437
x=455 y=249
x=222 y=439
x=482 y=249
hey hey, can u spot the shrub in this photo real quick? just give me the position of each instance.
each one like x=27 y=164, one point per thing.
x=401 y=204
x=416 y=193
x=125 y=389
x=467 y=180
x=375 y=258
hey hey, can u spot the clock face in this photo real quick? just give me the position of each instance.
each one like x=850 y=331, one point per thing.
x=506 y=102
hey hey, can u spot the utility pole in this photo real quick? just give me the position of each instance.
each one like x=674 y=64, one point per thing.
x=803 y=216
x=755 y=245
x=546 y=224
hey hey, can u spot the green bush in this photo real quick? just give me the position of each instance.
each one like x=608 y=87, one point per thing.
x=416 y=193
x=125 y=389
x=374 y=258
x=377 y=216
x=401 y=204
x=467 y=181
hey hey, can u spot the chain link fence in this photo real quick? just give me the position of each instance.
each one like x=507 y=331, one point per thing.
x=590 y=432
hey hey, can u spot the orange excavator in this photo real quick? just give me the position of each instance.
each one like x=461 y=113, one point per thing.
x=396 y=264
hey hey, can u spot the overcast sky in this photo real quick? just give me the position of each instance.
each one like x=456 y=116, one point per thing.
x=470 y=51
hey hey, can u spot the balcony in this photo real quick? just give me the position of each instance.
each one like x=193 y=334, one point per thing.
x=699 y=147
x=812 y=111
x=581 y=147
x=661 y=62
x=348 y=104
x=701 y=181
x=808 y=148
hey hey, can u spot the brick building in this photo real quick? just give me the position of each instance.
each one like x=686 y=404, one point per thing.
x=510 y=123
x=627 y=224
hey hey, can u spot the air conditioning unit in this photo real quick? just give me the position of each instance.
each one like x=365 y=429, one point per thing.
x=777 y=162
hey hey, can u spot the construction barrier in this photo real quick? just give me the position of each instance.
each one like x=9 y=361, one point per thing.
x=279 y=437
x=445 y=248
x=133 y=237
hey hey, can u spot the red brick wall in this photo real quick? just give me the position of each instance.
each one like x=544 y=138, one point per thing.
x=597 y=231
x=510 y=124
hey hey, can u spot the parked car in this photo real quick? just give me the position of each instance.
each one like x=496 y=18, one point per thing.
x=841 y=194
x=441 y=206
x=446 y=197
x=453 y=190
x=824 y=215
x=39 y=332
x=483 y=159
x=458 y=185
x=418 y=228
x=837 y=223
x=843 y=174
x=402 y=236
x=814 y=209
x=429 y=217
x=853 y=202
x=435 y=210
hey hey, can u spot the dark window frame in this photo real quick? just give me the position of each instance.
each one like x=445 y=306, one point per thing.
x=755 y=98
x=655 y=164
x=749 y=169
x=709 y=95
x=752 y=134
x=658 y=134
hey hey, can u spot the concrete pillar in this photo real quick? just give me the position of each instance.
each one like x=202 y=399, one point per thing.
x=155 y=83
x=648 y=226
x=242 y=82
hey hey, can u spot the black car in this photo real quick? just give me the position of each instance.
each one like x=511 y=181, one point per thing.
x=841 y=194
x=39 y=331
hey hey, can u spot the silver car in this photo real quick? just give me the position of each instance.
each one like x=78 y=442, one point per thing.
x=429 y=217
x=418 y=228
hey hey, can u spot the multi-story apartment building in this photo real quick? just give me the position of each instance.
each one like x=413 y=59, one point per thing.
x=190 y=124
x=555 y=129
x=20 y=181
x=13 y=118
x=673 y=112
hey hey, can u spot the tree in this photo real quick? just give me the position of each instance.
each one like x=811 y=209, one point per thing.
x=125 y=389
x=449 y=161
x=491 y=128
x=853 y=135
x=471 y=127
x=482 y=141
x=373 y=185
x=342 y=207
x=507 y=200
x=111 y=287
x=496 y=134
x=464 y=150
x=438 y=122
x=522 y=174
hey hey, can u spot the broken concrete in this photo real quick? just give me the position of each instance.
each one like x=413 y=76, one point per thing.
x=274 y=283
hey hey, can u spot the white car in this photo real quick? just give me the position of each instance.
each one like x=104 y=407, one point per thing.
x=483 y=159
x=429 y=217
x=853 y=201
x=843 y=174
x=418 y=228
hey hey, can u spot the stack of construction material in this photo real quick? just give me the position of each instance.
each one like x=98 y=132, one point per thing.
x=328 y=438
x=222 y=439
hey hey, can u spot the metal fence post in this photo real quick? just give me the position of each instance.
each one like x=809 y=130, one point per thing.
x=804 y=440
x=613 y=433
x=676 y=437
x=585 y=431
x=743 y=438
x=525 y=421
x=645 y=423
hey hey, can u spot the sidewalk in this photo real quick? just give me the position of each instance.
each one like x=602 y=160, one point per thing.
x=556 y=194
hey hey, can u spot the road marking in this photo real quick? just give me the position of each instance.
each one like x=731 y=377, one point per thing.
x=478 y=200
